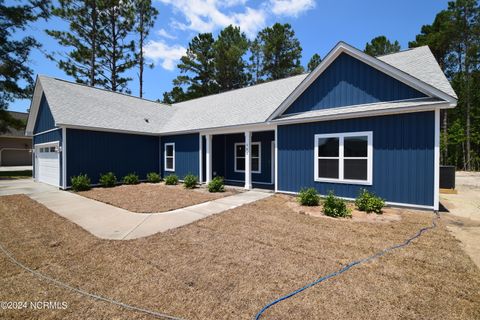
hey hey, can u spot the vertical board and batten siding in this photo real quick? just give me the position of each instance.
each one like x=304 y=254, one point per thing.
x=96 y=152
x=403 y=157
x=187 y=150
x=45 y=122
x=349 y=81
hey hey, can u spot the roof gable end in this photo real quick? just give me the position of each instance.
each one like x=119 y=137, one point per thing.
x=343 y=48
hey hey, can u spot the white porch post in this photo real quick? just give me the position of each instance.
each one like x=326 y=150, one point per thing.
x=248 y=160
x=200 y=158
x=208 y=158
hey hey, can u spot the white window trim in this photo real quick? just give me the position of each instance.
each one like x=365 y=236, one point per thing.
x=259 y=156
x=165 y=157
x=341 y=136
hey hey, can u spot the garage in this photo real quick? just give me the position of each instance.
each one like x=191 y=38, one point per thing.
x=47 y=164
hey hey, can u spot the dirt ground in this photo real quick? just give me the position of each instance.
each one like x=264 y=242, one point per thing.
x=229 y=265
x=150 y=198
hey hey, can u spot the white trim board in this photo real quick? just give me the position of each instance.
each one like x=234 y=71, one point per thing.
x=384 y=67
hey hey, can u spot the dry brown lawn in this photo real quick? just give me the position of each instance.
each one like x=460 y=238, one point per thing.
x=149 y=198
x=229 y=265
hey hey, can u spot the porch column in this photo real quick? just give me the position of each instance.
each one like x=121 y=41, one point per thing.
x=208 y=158
x=248 y=160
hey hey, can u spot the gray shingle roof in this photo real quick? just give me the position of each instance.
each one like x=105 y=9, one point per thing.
x=78 y=105
x=421 y=64
x=12 y=132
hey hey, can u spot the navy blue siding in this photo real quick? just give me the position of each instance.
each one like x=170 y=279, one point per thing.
x=223 y=162
x=186 y=154
x=348 y=81
x=44 y=119
x=403 y=156
x=51 y=136
x=95 y=152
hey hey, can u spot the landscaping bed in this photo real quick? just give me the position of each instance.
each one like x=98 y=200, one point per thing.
x=228 y=266
x=150 y=198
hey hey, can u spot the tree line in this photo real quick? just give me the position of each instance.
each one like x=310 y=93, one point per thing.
x=106 y=38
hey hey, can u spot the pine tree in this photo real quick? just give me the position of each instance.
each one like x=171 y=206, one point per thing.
x=314 y=62
x=197 y=70
x=117 y=20
x=16 y=77
x=281 y=52
x=380 y=46
x=255 y=62
x=82 y=60
x=146 y=15
x=230 y=67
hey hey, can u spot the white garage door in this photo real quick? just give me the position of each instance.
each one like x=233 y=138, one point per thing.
x=47 y=164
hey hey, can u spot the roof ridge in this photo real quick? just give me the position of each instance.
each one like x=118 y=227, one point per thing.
x=247 y=87
x=103 y=89
x=401 y=51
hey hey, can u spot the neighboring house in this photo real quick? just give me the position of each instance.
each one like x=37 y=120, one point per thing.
x=354 y=122
x=15 y=147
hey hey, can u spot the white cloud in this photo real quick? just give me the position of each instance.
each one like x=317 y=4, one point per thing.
x=207 y=15
x=291 y=8
x=165 y=34
x=167 y=55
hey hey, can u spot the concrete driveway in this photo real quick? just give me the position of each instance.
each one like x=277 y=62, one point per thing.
x=463 y=217
x=109 y=222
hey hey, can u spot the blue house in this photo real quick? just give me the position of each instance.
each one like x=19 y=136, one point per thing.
x=355 y=122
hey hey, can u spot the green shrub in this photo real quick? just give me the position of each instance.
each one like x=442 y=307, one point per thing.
x=107 y=180
x=190 y=181
x=335 y=207
x=131 y=178
x=80 y=182
x=153 y=177
x=369 y=202
x=308 y=197
x=216 y=185
x=171 y=179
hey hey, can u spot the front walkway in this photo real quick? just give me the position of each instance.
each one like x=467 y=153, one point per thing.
x=109 y=222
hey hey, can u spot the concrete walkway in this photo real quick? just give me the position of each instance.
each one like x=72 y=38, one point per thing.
x=109 y=222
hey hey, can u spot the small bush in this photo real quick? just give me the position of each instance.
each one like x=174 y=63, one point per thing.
x=131 y=178
x=308 y=197
x=80 y=182
x=171 y=180
x=153 y=177
x=369 y=202
x=335 y=207
x=190 y=181
x=216 y=185
x=107 y=180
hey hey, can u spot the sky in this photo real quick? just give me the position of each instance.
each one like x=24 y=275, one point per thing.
x=318 y=24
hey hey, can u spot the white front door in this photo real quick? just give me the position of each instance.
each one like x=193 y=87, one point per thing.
x=47 y=164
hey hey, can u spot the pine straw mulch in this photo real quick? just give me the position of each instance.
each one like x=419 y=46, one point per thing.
x=151 y=198
x=229 y=265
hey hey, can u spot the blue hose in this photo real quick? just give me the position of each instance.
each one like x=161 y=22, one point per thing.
x=347 y=267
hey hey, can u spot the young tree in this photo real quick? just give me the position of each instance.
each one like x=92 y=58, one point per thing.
x=314 y=62
x=230 y=67
x=380 y=46
x=281 y=52
x=146 y=15
x=82 y=60
x=117 y=20
x=197 y=70
x=16 y=77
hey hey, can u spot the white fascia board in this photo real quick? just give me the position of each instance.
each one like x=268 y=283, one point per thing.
x=87 y=128
x=384 y=67
x=362 y=114
x=34 y=106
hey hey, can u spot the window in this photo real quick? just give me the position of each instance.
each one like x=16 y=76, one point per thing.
x=344 y=157
x=169 y=155
x=255 y=154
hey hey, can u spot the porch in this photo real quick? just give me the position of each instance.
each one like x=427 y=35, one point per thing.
x=242 y=158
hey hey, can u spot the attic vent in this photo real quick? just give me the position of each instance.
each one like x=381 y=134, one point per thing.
x=146 y=120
